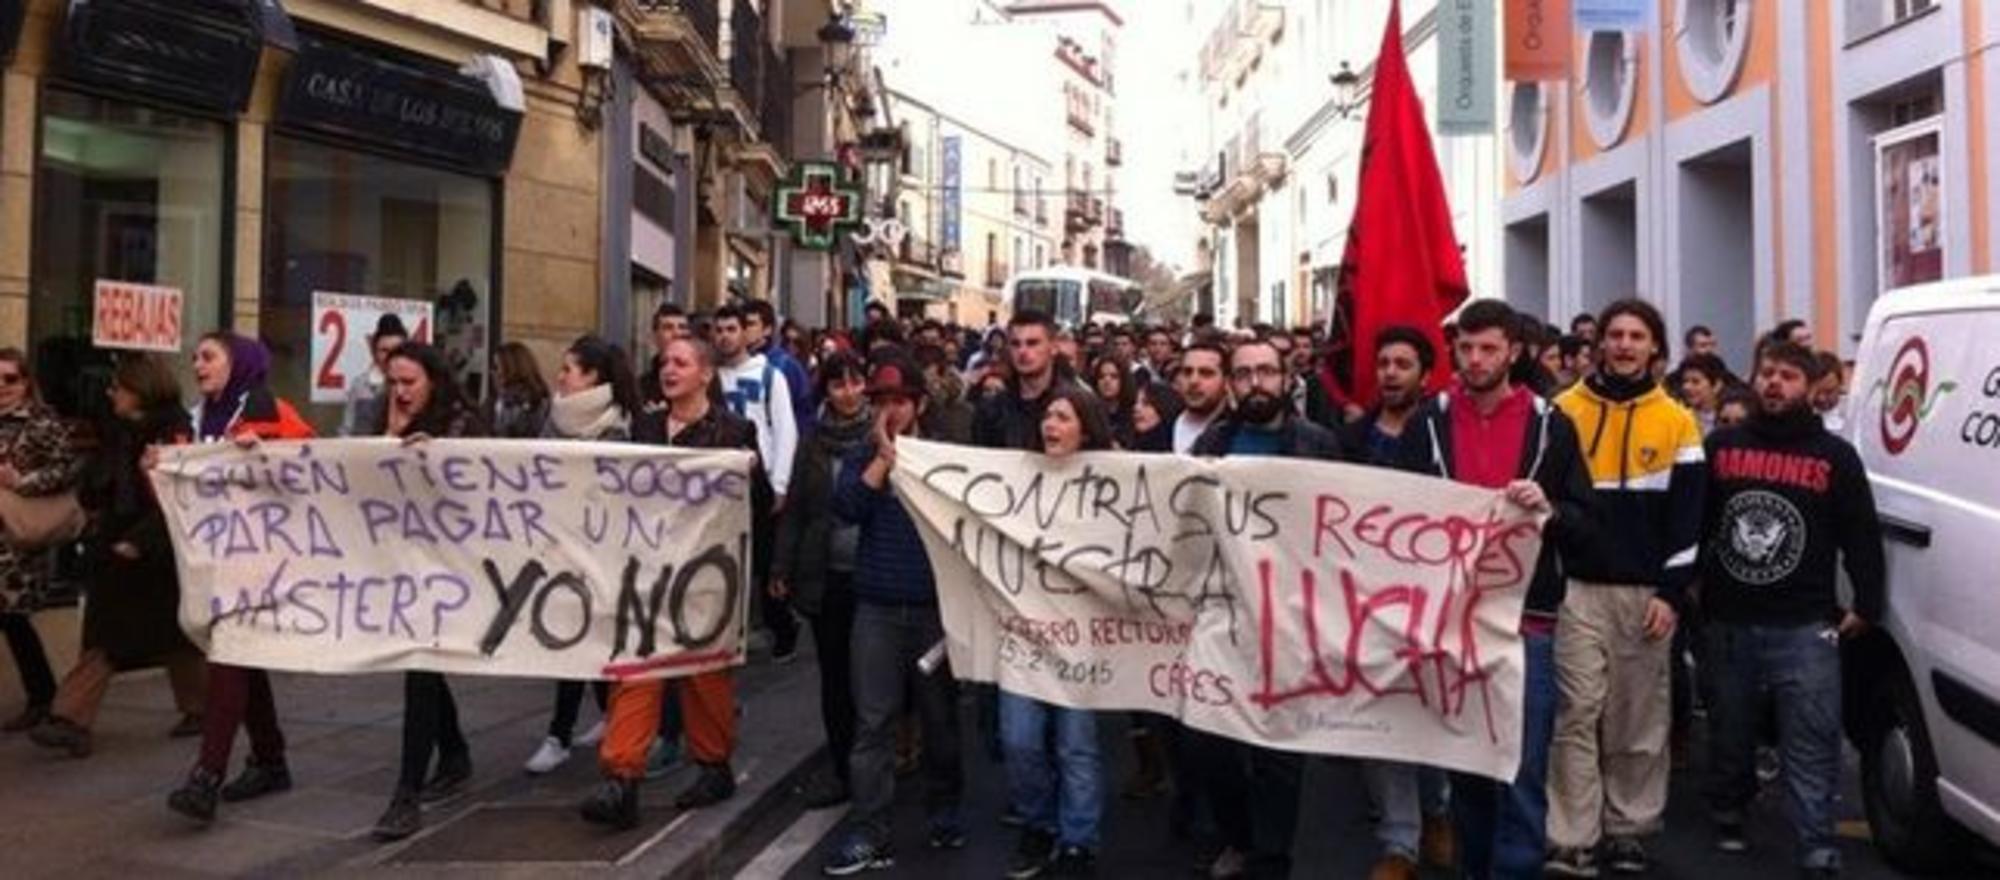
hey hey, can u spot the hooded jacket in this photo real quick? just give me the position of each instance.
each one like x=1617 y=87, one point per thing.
x=1645 y=457
x=1550 y=456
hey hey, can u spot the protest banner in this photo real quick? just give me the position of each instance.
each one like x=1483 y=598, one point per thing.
x=139 y=317
x=495 y=557
x=1306 y=606
x=341 y=323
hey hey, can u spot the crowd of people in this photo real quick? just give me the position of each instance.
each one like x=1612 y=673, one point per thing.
x=1648 y=608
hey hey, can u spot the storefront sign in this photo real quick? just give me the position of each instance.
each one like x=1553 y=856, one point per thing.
x=1308 y=606
x=1465 y=67
x=815 y=203
x=656 y=148
x=142 y=317
x=399 y=102
x=201 y=53
x=953 y=174
x=1538 y=40
x=341 y=349
x=486 y=557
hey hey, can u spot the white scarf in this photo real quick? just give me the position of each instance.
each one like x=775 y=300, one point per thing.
x=586 y=415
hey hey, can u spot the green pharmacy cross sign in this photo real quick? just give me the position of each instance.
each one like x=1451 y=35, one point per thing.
x=816 y=203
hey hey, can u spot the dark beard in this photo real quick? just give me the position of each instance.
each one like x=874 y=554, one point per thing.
x=1259 y=408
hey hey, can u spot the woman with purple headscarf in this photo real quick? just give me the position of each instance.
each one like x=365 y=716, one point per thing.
x=230 y=371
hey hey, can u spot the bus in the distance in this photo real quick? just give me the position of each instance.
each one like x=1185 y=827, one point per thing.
x=1074 y=296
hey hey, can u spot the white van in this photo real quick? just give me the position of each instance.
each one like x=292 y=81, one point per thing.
x=1923 y=691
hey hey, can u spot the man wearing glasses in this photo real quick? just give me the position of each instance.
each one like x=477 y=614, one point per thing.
x=1254 y=791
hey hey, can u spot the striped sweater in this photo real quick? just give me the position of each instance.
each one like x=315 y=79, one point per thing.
x=1644 y=453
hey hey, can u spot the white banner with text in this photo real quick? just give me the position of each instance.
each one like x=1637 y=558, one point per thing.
x=1308 y=606
x=494 y=557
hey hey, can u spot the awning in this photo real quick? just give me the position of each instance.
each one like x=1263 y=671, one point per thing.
x=199 y=53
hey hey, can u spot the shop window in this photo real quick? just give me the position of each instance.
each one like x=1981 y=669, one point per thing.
x=124 y=192
x=1611 y=82
x=343 y=221
x=1712 y=36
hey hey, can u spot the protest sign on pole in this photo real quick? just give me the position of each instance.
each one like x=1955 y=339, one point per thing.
x=341 y=324
x=495 y=557
x=1306 y=606
x=140 y=317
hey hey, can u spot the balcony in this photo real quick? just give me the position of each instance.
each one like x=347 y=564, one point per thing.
x=1239 y=38
x=1022 y=204
x=1114 y=152
x=917 y=253
x=1086 y=65
x=996 y=273
x=678 y=41
x=1114 y=226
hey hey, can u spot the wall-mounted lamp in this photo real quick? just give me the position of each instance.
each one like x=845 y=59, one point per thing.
x=1347 y=96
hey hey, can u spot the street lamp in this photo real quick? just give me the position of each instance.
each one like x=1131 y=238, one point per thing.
x=1347 y=96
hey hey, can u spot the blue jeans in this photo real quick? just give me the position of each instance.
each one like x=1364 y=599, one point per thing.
x=1406 y=795
x=1502 y=828
x=1799 y=667
x=1062 y=794
x=886 y=642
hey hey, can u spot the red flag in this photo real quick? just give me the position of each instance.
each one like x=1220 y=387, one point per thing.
x=1402 y=264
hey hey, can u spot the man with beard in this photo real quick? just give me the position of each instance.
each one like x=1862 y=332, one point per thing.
x=1787 y=499
x=1609 y=763
x=1488 y=431
x=1013 y=419
x=1203 y=390
x=1256 y=828
x=1415 y=821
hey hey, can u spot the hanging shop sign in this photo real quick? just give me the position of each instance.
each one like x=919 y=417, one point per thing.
x=1465 y=67
x=953 y=174
x=815 y=204
x=401 y=102
x=1538 y=40
x=198 y=53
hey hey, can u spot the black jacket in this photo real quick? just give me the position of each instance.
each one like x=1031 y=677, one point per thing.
x=801 y=553
x=1553 y=458
x=134 y=610
x=1006 y=421
x=1297 y=438
x=1787 y=500
x=720 y=429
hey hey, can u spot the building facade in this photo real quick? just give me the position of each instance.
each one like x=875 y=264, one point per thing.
x=1749 y=161
x=1274 y=156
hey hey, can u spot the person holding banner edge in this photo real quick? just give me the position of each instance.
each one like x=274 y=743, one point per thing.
x=425 y=402
x=1489 y=432
x=896 y=621
x=235 y=405
x=1055 y=772
x=595 y=399
x=694 y=419
x=1258 y=827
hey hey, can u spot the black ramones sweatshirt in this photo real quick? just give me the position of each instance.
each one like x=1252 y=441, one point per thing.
x=1786 y=500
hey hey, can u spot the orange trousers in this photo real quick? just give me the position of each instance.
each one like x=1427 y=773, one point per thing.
x=708 y=711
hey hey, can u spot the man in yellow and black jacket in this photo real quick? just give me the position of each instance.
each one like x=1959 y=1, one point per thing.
x=1609 y=763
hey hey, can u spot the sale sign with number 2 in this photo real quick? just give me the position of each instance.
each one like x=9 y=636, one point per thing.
x=341 y=323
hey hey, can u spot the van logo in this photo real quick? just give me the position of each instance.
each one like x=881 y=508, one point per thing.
x=1907 y=395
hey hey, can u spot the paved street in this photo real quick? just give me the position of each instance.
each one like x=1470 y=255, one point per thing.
x=1334 y=840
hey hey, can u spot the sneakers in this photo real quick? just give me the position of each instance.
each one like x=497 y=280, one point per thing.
x=715 y=784
x=63 y=735
x=1229 y=865
x=404 y=817
x=826 y=791
x=1770 y=765
x=1438 y=847
x=196 y=797
x=550 y=755
x=189 y=725
x=1568 y=862
x=1626 y=855
x=29 y=719
x=1394 y=866
x=257 y=780
x=453 y=772
x=614 y=804
x=1073 y=861
x=783 y=655
x=946 y=833
x=591 y=736
x=1729 y=838
x=1033 y=854
x=858 y=854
